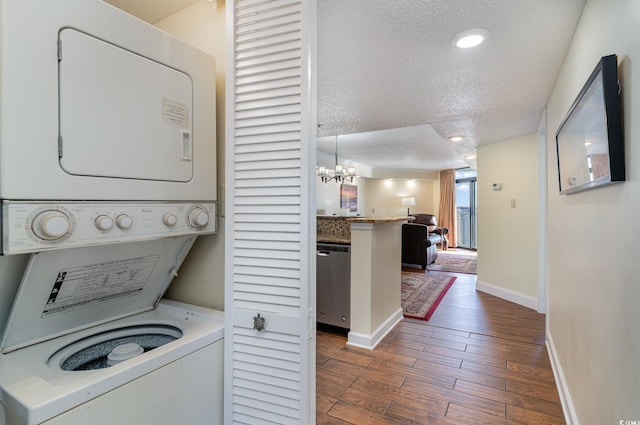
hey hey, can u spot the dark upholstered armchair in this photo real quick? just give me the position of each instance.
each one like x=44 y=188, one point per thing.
x=430 y=221
x=420 y=239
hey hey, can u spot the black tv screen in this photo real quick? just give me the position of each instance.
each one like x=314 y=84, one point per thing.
x=589 y=141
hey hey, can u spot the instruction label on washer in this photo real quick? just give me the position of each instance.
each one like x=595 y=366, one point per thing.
x=76 y=287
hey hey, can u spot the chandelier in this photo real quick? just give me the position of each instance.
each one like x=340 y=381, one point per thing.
x=340 y=175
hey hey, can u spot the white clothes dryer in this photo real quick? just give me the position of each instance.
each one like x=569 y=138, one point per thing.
x=89 y=340
x=115 y=108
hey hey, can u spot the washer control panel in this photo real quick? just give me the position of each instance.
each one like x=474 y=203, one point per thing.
x=40 y=226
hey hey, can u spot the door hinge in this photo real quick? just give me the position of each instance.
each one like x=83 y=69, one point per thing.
x=59 y=147
x=311 y=328
x=59 y=50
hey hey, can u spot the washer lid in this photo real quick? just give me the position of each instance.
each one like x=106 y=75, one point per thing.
x=72 y=289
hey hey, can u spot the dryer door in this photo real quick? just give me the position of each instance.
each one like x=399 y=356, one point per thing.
x=122 y=115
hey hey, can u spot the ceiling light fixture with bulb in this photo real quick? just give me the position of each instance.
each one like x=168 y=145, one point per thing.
x=340 y=175
x=470 y=38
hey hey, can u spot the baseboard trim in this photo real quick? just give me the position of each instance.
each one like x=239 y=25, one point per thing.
x=369 y=342
x=563 y=391
x=509 y=295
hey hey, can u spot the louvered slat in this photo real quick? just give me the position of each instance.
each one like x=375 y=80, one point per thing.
x=270 y=374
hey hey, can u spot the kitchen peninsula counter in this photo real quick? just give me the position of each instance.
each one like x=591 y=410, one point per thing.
x=376 y=273
x=376 y=268
x=336 y=228
x=379 y=219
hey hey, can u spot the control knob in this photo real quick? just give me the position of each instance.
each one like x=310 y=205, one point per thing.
x=50 y=225
x=198 y=217
x=103 y=222
x=123 y=221
x=169 y=219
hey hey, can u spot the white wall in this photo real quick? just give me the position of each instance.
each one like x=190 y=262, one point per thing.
x=201 y=278
x=508 y=234
x=594 y=272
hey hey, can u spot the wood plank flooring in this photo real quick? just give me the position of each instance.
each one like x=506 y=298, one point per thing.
x=478 y=360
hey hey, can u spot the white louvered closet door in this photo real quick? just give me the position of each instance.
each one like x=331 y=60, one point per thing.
x=270 y=218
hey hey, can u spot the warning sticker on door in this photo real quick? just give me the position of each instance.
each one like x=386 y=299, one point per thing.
x=77 y=287
x=175 y=113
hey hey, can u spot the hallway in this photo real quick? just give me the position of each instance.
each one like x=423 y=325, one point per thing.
x=478 y=360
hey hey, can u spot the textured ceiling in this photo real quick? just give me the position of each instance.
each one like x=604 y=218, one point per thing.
x=390 y=65
x=417 y=148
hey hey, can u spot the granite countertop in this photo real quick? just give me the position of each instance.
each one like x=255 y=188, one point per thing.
x=331 y=238
x=364 y=219
x=378 y=219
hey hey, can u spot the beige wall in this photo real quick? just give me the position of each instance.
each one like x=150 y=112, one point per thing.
x=328 y=196
x=508 y=233
x=384 y=196
x=593 y=268
x=201 y=277
x=375 y=281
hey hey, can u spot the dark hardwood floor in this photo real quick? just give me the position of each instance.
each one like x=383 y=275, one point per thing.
x=478 y=360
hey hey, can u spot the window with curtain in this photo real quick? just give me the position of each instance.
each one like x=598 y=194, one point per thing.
x=466 y=208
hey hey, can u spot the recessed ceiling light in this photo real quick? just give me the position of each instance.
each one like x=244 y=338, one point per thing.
x=471 y=156
x=470 y=38
x=456 y=138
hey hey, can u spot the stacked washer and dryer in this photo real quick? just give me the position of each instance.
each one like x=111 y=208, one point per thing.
x=107 y=177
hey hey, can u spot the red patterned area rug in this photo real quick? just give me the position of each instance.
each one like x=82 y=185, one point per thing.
x=455 y=263
x=421 y=293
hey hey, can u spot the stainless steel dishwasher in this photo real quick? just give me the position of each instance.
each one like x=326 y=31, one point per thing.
x=333 y=284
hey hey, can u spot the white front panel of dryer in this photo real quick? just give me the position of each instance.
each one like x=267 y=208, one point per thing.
x=134 y=106
x=122 y=115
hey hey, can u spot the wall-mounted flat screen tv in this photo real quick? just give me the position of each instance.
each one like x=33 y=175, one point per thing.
x=589 y=141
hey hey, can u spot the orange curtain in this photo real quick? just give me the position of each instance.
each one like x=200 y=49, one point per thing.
x=447 y=210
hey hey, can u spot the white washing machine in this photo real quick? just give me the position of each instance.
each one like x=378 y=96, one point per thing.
x=89 y=340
